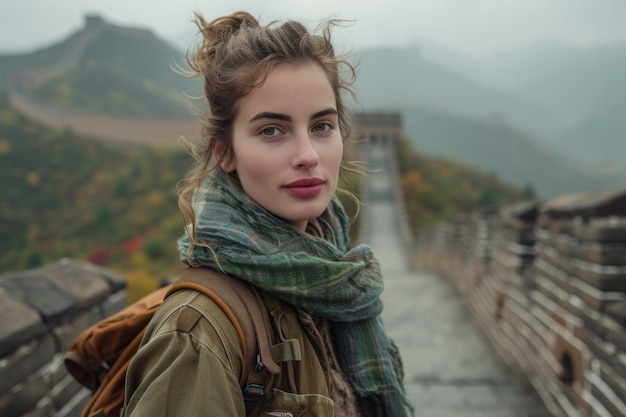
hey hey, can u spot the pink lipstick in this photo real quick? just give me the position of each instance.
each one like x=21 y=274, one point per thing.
x=305 y=187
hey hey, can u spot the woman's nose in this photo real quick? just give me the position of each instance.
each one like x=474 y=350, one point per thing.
x=305 y=153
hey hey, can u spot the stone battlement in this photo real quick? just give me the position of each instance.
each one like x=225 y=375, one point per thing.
x=547 y=284
x=42 y=311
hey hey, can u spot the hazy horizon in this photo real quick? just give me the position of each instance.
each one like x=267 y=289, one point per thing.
x=472 y=27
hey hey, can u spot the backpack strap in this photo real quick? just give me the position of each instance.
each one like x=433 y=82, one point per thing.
x=99 y=357
x=236 y=298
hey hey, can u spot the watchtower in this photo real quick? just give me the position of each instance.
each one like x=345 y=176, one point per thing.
x=377 y=126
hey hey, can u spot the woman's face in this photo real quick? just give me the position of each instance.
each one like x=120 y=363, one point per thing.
x=287 y=147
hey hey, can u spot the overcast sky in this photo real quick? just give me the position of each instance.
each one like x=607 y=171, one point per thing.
x=471 y=26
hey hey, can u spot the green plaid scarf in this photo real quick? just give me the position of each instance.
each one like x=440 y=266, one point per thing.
x=323 y=276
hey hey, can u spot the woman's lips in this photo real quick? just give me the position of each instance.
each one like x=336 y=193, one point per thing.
x=305 y=187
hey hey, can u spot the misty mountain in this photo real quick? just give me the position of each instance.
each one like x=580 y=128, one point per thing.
x=600 y=139
x=583 y=88
x=405 y=77
x=509 y=70
x=497 y=147
x=572 y=83
x=588 y=86
x=46 y=58
x=104 y=68
x=111 y=69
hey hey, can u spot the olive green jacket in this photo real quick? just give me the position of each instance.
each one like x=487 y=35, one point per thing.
x=200 y=372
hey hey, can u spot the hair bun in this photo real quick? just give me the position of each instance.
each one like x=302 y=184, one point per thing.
x=221 y=29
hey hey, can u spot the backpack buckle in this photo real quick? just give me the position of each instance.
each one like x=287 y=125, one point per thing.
x=253 y=392
x=259 y=364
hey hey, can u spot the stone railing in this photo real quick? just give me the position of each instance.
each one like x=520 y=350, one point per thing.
x=547 y=284
x=41 y=312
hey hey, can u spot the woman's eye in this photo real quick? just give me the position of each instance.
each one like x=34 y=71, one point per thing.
x=270 y=131
x=322 y=127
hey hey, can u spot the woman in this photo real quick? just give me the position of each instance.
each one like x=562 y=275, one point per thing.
x=261 y=207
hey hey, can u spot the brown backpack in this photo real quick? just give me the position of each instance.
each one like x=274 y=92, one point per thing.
x=100 y=355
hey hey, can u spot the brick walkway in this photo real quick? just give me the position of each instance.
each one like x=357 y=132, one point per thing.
x=451 y=370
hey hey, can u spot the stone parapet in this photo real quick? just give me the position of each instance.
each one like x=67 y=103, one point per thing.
x=42 y=311
x=546 y=281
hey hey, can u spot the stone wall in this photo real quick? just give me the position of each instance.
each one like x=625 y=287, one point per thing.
x=376 y=136
x=41 y=312
x=377 y=126
x=546 y=281
x=121 y=130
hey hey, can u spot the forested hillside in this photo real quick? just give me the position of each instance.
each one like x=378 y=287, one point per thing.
x=66 y=196
x=123 y=72
x=437 y=189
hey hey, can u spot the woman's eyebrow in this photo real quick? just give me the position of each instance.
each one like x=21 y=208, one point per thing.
x=280 y=116
x=324 y=112
x=270 y=115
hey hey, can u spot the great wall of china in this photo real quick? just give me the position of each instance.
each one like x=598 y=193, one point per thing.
x=125 y=130
x=546 y=281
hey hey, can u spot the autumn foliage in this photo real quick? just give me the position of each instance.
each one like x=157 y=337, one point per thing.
x=436 y=189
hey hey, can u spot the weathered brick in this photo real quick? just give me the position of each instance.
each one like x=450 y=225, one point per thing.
x=25 y=361
x=553 y=258
x=73 y=389
x=524 y=211
x=614 y=380
x=32 y=288
x=116 y=302
x=586 y=205
x=44 y=408
x=561 y=207
x=567 y=346
x=601 y=231
x=605 y=352
x=603 y=280
x=590 y=251
x=598 y=348
x=605 y=396
x=63 y=391
x=594 y=298
x=617 y=312
x=545 y=270
x=20 y=323
x=617 y=337
x=55 y=370
x=81 y=281
x=116 y=282
x=598 y=276
x=593 y=323
x=75 y=405
x=67 y=333
x=22 y=398
x=607 y=254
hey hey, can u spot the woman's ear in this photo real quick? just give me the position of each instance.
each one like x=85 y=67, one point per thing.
x=225 y=158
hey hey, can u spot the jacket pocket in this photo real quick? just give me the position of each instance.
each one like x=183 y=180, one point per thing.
x=283 y=404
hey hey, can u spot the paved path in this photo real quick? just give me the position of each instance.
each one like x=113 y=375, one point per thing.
x=451 y=370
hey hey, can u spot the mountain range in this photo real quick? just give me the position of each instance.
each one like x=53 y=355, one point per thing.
x=583 y=89
x=550 y=116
